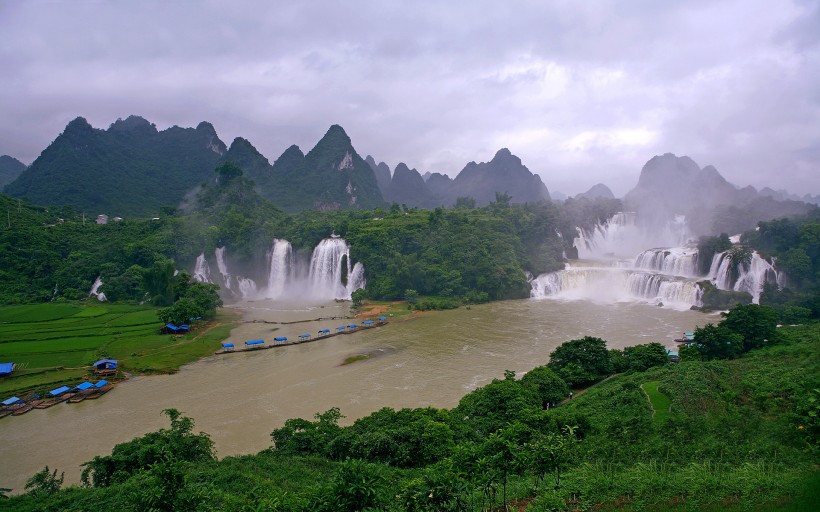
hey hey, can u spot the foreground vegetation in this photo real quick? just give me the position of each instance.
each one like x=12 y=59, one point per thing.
x=52 y=344
x=740 y=433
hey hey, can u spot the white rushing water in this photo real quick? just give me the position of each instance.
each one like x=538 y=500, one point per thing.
x=329 y=266
x=202 y=271
x=95 y=290
x=281 y=269
x=608 y=270
x=329 y=273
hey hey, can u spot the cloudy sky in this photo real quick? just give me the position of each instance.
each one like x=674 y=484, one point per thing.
x=583 y=92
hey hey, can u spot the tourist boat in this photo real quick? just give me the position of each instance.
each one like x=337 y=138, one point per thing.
x=99 y=389
x=27 y=407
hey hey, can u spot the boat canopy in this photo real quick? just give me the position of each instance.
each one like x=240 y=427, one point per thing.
x=280 y=338
x=101 y=384
x=84 y=385
x=352 y=326
x=11 y=401
x=227 y=345
x=254 y=342
x=382 y=318
x=306 y=335
x=324 y=331
x=6 y=368
x=341 y=328
x=368 y=322
x=59 y=391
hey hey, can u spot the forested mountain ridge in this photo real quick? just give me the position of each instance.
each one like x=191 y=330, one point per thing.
x=10 y=168
x=330 y=176
x=129 y=169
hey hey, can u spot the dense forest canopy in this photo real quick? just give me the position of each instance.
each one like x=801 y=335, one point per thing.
x=465 y=252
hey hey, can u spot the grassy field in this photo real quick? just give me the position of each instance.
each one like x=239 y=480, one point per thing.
x=659 y=401
x=52 y=344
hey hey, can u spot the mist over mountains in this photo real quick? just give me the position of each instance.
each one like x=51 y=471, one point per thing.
x=133 y=169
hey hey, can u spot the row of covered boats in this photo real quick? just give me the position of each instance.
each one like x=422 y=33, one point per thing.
x=279 y=341
x=85 y=390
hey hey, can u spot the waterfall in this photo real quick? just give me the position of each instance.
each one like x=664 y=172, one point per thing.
x=247 y=287
x=95 y=290
x=202 y=271
x=615 y=284
x=356 y=279
x=326 y=270
x=328 y=275
x=751 y=278
x=613 y=237
x=281 y=268
x=222 y=267
x=677 y=261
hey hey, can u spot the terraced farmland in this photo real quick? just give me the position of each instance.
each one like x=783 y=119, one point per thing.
x=52 y=344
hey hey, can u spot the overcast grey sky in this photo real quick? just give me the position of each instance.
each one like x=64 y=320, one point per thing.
x=583 y=92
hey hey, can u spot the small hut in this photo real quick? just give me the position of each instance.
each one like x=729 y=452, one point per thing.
x=6 y=369
x=105 y=367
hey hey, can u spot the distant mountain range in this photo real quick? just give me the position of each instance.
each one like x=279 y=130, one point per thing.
x=10 y=169
x=670 y=185
x=131 y=168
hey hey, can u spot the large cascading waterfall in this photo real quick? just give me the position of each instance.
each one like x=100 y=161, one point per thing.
x=329 y=268
x=281 y=269
x=676 y=261
x=328 y=275
x=616 y=284
x=665 y=276
x=660 y=276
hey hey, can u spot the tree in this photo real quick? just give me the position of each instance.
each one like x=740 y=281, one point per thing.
x=44 y=482
x=143 y=452
x=551 y=388
x=489 y=408
x=643 y=357
x=718 y=342
x=503 y=454
x=551 y=453
x=756 y=324
x=465 y=202
x=358 y=297
x=411 y=296
x=227 y=172
x=355 y=486
x=581 y=361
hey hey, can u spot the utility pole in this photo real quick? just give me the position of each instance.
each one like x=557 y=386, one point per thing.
x=83 y=218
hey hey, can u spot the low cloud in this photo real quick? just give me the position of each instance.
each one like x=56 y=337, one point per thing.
x=583 y=93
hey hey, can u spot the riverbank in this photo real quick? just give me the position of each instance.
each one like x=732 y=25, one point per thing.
x=52 y=345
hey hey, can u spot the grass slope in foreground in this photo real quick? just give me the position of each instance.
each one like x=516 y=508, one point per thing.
x=741 y=435
x=51 y=343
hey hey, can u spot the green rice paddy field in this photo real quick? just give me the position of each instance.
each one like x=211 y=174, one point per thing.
x=52 y=344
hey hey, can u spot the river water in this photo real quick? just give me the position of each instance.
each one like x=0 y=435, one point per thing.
x=429 y=360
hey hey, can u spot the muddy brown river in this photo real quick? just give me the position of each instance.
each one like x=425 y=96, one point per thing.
x=431 y=360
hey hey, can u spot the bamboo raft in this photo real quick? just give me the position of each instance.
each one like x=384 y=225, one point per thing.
x=302 y=339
